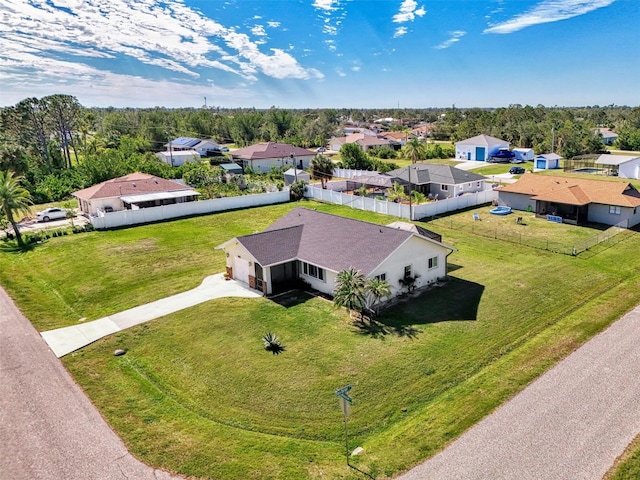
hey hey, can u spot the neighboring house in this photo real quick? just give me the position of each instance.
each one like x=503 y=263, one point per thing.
x=423 y=130
x=262 y=156
x=131 y=192
x=437 y=181
x=524 y=154
x=364 y=140
x=315 y=246
x=479 y=148
x=575 y=200
x=397 y=138
x=624 y=166
x=547 y=161
x=203 y=147
x=608 y=137
x=178 y=158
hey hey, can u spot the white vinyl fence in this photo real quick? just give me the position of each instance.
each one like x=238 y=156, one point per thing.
x=176 y=210
x=350 y=173
x=401 y=210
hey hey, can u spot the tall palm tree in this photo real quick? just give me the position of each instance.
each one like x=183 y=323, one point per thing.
x=376 y=289
x=14 y=198
x=349 y=291
x=413 y=150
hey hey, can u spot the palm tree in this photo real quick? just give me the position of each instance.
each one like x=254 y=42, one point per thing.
x=413 y=150
x=349 y=291
x=14 y=198
x=396 y=193
x=376 y=289
x=322 y=169
x=418 y=197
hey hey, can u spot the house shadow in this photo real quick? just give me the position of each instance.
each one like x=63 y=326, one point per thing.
x=455 y=301
x=291 y=298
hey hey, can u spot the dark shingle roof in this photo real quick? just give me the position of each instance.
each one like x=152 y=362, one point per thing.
x=329 y=241
x=423 y=173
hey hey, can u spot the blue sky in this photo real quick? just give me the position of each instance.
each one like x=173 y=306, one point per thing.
x=322 y=53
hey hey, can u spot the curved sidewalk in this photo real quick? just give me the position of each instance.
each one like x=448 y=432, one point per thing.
x=571 y=423
x=68 y=339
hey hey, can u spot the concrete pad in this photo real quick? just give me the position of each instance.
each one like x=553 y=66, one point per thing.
x=68 y=339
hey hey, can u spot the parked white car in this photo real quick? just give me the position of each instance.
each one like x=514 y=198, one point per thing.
x=53 y=213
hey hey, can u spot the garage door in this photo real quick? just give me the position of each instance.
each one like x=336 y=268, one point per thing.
x=241 y=270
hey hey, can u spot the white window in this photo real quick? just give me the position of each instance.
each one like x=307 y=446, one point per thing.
x=433 y=263
x=313 y=271
x=407 y=271
x=614 y=209
x=478 y=184
x=382 y=277
x=444 y=187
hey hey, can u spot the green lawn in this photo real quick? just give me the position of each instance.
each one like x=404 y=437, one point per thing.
x=197 y=394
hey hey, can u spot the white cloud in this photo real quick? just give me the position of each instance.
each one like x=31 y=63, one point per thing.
x=340 y=72
x=259 y=31
x=400 y=31
x=455 y=37
x=408 y=12
x=273 y=24
x=548 y=11
x=165 y=34
x=327 y=5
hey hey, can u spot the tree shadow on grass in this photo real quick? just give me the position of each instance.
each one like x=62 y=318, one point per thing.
x=456 y=301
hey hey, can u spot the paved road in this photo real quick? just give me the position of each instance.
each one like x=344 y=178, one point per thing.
x=569 y=424
x=48 y=428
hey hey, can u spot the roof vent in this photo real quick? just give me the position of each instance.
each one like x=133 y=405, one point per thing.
x=380 y=230
x=134 y=185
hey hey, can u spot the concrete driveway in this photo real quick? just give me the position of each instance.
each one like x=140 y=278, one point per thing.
x=49 y=430
x=68 y=339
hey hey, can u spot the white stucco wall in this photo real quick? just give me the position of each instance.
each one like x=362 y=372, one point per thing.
x=415 y=252
x=516 y=201
x=236 y=251
x=264 y=164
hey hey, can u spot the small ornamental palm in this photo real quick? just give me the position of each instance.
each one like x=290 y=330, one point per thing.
x=272 y=344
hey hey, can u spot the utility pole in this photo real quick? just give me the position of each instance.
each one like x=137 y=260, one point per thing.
x=410 y=203
x=170 y=149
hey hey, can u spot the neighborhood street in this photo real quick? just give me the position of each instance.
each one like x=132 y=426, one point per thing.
x=571 y=423
x=48 y=427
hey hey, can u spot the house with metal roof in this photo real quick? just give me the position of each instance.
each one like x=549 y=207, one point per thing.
x=178 y=157
x=262 y=156
x=574 y=200
x=132 y=192
x=608 y=137
x=479 y=148
x=546 y=161
x=623 y=166
x=315 y=246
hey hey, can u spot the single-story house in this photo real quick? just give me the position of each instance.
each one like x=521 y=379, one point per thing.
x=364 y=140
x=397 y=138
x=546 y=161
x=315 y=246
x=608 y=137
x=624 y=166
x=524 y=154
x=575 y=200
x=179 y=157
x=262 y=156
x=437 y=181
x=131 y=192
x=480 y=148
x=296 y=175
x=203 y=147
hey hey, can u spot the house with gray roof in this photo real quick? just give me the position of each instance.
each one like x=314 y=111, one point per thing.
x=262 y=156
x=437 y=181
x=479 y=148
x=315 y=246
x=623 y=166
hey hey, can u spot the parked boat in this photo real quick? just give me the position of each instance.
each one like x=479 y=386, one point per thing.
x=501 y=210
